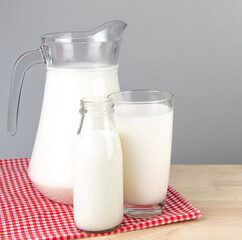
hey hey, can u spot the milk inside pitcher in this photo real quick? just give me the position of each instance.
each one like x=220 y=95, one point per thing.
x=78 y=65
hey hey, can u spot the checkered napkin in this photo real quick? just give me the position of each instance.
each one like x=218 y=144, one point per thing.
x=27 y=214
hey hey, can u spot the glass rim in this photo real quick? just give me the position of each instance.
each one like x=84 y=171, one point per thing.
x=170 y=96
x=85 y=36
x=73 y=36
x=96 y=100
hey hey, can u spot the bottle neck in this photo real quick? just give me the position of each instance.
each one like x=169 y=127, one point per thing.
x=97 y=114
x=96 y=106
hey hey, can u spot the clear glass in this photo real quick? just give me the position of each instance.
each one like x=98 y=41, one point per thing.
x=78 y=64
x=144 y=119
x=98 y=178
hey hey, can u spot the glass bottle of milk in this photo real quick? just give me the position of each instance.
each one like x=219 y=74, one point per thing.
x=98 y=171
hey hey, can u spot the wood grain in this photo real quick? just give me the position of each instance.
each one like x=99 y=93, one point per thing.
x=216 y=190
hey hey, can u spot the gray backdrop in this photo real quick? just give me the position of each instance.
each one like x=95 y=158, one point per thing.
x=192 y=48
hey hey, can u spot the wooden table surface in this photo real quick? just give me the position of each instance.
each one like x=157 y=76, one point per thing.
x=216 y=190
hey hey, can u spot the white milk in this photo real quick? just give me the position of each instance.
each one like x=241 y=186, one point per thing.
x=51 y=166
x=146 y=136
x=98 y=185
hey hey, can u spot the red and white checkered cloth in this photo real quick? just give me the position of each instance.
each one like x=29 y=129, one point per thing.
x=26 y=214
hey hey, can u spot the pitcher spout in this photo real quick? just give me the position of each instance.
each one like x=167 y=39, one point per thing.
x=109 y=32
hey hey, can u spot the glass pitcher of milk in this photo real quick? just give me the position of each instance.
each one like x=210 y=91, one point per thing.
x=78 y=64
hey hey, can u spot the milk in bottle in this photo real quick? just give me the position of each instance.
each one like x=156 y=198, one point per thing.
x=98 y=178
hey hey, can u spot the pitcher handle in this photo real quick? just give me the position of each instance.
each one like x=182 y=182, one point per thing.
x=24 y=62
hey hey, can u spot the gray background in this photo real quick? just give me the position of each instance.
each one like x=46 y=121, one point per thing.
x=192 y=48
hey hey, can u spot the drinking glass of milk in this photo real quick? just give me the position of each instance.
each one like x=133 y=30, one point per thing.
x=98 y=169
x=144 y=119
